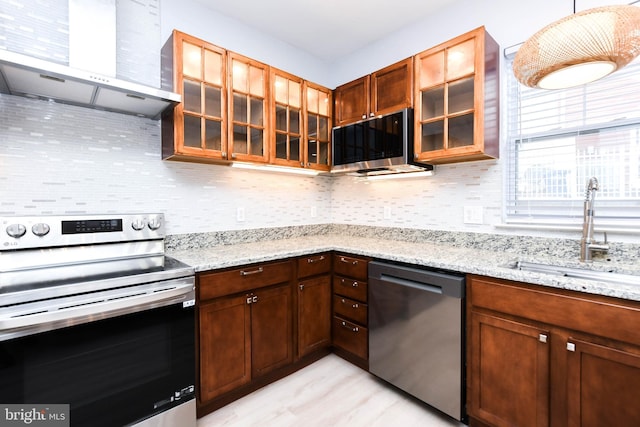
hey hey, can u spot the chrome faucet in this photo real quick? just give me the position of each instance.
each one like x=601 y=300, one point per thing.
x=588 y=244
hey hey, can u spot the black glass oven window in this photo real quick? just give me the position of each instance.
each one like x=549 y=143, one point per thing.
x=112 y=372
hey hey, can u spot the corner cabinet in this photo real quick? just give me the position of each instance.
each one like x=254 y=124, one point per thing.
x=457 y=100
x=197 y=70
x=540 y=357
x=384 y=91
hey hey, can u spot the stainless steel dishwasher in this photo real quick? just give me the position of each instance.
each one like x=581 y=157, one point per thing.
x=416 y=335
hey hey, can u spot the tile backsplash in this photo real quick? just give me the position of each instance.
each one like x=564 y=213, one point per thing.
x=58 y=159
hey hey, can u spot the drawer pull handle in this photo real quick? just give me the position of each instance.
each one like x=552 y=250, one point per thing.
x=312 y=260
x=354 y=329
x=345 y=260
x=343 y=301
x=249 y=273
x=344 y=283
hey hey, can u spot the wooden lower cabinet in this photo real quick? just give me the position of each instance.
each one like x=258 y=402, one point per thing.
x=350 y=333
x=603 y=386
x=314 y=314
x=243 y=337
x=225 y=346
x=271 y=329
x=259 y=323
x=510 y=367
x=539 y=356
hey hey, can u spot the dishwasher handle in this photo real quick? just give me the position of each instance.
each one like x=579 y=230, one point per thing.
x=411 y=284
x=449 y=284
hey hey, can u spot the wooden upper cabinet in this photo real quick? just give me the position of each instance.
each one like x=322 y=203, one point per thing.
x=195 y=127
x=352 y=101
x=317 y=127
x=457 y=100
x=301 y=122
x=249 y=110
x=287 y=129
x=392 y=88
x=384 y=91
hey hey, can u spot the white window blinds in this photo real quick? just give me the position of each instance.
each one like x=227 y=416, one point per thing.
x=558 y=139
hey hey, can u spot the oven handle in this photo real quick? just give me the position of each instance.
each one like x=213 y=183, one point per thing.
x=174 y=292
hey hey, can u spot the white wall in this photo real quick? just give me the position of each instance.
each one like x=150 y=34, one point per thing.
x=193 y=18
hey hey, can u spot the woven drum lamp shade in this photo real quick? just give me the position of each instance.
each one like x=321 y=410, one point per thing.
x=580 y=48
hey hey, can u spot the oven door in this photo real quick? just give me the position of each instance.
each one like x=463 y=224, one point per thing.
x=112 y=372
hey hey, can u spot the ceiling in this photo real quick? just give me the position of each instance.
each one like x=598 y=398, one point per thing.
x=328 y=29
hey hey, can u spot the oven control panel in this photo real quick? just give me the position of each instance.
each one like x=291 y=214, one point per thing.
x=66 y=230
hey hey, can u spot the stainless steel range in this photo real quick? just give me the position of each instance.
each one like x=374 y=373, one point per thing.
x=94 y=315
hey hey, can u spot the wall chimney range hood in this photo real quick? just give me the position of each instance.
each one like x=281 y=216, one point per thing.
x=35 y=78
x=89 y=79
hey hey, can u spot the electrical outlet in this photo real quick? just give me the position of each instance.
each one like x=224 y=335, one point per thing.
x=473 y=215
x=240 y=214
x=314 y=211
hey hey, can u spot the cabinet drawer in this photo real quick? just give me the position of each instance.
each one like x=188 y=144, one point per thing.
x=350 y=266
x=351 y=337
x=213 y=285
x=351 y=288
x=313 y=265
x=350 y=309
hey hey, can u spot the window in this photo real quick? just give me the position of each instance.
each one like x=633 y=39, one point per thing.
x=558 y=139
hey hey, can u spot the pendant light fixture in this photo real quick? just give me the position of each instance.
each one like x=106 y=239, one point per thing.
x=580 y=48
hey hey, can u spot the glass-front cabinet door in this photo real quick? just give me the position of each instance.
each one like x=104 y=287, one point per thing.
x=197 y=124
x=455 y=82
x=248 y=124
x=286 y=105
x=317 y=125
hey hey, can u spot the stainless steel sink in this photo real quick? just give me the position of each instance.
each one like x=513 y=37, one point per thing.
x=578 y=273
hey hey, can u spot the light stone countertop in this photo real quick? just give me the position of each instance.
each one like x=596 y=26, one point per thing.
x=492 y=263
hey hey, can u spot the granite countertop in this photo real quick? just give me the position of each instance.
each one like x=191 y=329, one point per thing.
x=475 y=260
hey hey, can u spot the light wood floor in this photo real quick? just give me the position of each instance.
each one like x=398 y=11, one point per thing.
x=329 y=393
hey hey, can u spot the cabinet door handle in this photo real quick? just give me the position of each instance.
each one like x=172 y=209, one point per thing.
x=571 y=346
x=542 y=338
x=364 y=116
x=301 y=286
x=318 y=259
x=249 y=298
x=254 y=299
x=371 y=114
x=354 y=306
x=345 y=260
x=354 y=329
x=249 y=273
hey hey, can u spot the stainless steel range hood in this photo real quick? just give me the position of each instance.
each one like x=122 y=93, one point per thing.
x=27 y=76
x=36 y=78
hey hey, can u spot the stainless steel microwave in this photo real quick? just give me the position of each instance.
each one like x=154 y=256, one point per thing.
x=376 y=146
